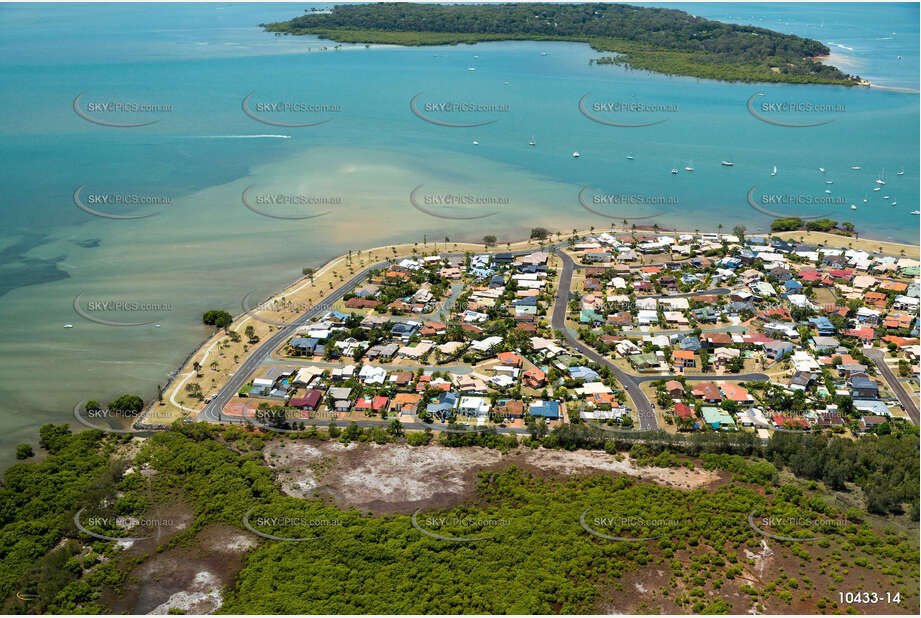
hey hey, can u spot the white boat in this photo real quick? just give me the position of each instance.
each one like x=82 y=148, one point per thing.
x=829 y=182
x=822 y=169
x=885 y=197
x=471 y=69
x=827 y=191
x=774 y=171
x=727 y=163
x=476 y=143
x=156 y=326
x=68 y=326
x=901 y=173
x=876 y=188
x=576 y=155
x=894 y=203
x=916 y=212
x=543 y=53
x=532 y=142
x=853 y=207
x=856 y=167
x=629 y=157
x=476 y=57
x=674 y=170
x=880 y=181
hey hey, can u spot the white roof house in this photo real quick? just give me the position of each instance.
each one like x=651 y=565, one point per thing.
x=485 y=345
x=473 y=406
x=372 y=375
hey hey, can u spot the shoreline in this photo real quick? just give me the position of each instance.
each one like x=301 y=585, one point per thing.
x=186 y=371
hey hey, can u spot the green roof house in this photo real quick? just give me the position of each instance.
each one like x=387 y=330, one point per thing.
x=717 y=418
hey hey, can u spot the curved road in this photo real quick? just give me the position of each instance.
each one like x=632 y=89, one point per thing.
x=631 y=382
x=647 y=418
x=212 y=411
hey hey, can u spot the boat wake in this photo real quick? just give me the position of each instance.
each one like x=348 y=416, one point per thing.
x=261 y=136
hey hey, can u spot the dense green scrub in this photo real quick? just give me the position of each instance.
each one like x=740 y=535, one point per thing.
x=662 y=40
x=533 y=553
x=37 y=505
x=536 y=557
x=884 y=467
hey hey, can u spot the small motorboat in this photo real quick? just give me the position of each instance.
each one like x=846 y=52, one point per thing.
x=774 y=171
x=674 y=170
x=629 y=157
x=576 y=155
x=822 y=169
x=856 y=167
x=68 y=326
x=476 y=143
x=727 y=163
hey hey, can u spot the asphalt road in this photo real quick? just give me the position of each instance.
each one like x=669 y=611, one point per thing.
x=631 y=382
x=878 y=357
x=212 y=411
x=645 y=413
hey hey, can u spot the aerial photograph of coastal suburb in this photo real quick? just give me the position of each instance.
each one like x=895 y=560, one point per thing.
x=437 y=308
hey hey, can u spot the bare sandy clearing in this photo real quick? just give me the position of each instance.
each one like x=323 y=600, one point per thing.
x=399 y=478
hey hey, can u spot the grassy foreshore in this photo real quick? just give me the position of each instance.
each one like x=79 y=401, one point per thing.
x=845 y=242
x=218 y=356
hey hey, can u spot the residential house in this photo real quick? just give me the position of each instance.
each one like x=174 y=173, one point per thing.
x=736 y=393
x=863 y=387
x=776 y=350
x=674 y=389
x=707 y=391
x=311 y=400
x=717 y=418
x=549 y=410
x=473 y=406
x=683 y=359
x=534 y=378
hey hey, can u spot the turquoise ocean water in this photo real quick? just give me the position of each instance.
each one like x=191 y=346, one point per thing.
x=206 y=250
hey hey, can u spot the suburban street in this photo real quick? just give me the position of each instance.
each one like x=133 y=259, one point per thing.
x=645 y=413
x=911 y=408
x=212 y=411
x=262 y=354
x=630 y=382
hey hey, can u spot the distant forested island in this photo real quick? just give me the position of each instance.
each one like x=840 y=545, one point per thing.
x=662 y=40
